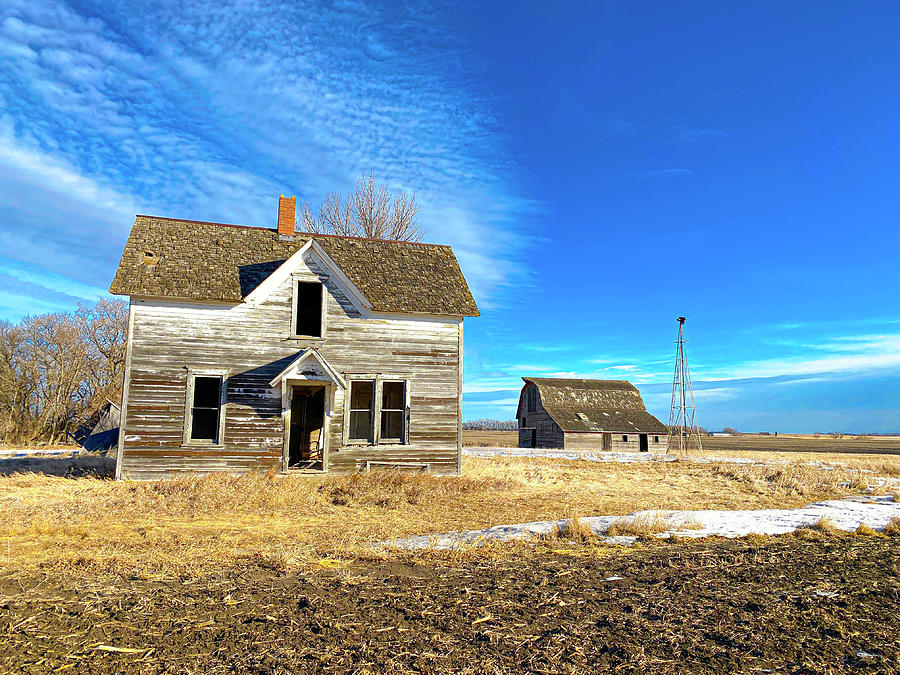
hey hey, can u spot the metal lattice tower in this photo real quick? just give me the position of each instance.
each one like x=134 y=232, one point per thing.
x=684 y=437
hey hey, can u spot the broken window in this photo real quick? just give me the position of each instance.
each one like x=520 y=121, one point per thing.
x=362 y=398
x=206 y=408
x=308 y=310
x=393 y=411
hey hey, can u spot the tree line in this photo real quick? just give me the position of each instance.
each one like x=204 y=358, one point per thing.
x=58 y=369
x=486 y=424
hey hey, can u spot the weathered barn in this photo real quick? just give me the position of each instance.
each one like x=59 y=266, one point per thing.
x=257 y=348
x=586 y=415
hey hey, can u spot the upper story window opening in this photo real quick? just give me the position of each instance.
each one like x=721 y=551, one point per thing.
x=308 y=303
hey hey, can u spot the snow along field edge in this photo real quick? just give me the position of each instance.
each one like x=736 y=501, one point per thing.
x=845 y=514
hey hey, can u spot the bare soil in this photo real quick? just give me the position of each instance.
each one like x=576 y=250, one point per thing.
x=786 y=604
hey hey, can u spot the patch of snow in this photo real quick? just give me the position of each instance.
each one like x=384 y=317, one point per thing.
x=846 y=514
x=14 y=453
x=590 y=456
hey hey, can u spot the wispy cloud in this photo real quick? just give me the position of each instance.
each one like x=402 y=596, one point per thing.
x=547 y=347
x=183 y=109
x=849 y=353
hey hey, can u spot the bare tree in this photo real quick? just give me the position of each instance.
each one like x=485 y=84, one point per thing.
x=369 y=211
x=56 y=369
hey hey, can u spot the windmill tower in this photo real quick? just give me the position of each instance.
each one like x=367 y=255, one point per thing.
x=683 y=434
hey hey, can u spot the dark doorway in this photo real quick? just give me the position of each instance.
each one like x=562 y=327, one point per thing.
x=606 y=442
x=644 y=445
x=307 y=433
x=534 y=438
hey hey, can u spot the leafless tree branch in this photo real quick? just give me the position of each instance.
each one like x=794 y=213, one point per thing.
x=369 y=211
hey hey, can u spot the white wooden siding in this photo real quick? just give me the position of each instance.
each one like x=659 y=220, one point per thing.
x=254 y=344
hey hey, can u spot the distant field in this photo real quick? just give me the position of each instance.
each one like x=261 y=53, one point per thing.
x=490 y=439
x=879 y=445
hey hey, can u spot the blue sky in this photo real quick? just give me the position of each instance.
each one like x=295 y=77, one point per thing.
x=600 y=168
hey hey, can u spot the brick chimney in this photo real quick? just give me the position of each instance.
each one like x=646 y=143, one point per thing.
x=287 y=211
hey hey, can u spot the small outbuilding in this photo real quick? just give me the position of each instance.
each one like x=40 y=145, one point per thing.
x=100 y=432
x=586 y=415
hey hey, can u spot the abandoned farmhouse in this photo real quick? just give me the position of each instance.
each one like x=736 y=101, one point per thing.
x=586 y=415
x=265 y=348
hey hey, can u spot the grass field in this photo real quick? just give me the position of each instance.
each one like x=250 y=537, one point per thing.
x=190 y=524
x=275 y=574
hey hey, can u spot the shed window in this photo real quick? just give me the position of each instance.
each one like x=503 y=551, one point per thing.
x=308 y=310
x=393 y=411
x=206 y=408
x=656 y=439
x=362 y=399
x=624 y=438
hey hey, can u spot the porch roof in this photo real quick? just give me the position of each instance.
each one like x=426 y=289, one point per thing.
x=309 y=365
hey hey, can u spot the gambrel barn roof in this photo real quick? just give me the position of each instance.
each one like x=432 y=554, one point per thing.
x=187 y=259
x=594 y=405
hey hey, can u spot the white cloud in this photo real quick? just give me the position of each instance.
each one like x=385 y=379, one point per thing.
x=195 y=111
x=852 y=353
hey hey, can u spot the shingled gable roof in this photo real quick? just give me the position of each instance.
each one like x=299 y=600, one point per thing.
x=193 y=260
x=595 y=405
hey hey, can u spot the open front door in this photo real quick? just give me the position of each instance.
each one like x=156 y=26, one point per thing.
x=307 y=429
x=308 y=386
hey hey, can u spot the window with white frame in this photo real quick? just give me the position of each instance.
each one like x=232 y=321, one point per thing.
x=205 y=397
x=393 y=411
x=362 y=411
x=376 y=411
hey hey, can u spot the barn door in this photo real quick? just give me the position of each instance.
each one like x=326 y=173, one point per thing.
x=644 y=443
x=606 y=443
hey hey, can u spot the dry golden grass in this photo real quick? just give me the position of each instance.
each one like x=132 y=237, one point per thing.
x=865 y=531
x=646 y=524
x=882 y=465
x=893 y=527
x=490 y=439
x=191 y=524
x=826 y=526
x=576 y=530
x=822 y=529
x=798 y=478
